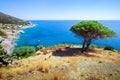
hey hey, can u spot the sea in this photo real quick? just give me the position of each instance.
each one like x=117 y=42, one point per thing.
x=54 y=32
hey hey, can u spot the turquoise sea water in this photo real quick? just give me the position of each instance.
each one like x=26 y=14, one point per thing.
x=52 y=32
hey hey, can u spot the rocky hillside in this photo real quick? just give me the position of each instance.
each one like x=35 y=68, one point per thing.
x=7 y=19
x=65 y=62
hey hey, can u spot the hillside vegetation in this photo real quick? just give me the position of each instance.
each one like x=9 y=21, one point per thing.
x=7 y=19
x=65 y=62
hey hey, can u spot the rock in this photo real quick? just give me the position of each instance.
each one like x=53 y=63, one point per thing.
x=39 y=52
x=15 y=63
x=48 y=51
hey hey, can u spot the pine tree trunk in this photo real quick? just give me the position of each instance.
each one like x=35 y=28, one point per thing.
x=83 y=46
x=88 y=44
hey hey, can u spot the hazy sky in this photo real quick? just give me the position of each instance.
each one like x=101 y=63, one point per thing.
x=62 y=9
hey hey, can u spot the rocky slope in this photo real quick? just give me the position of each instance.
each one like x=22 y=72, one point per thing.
x=65 y=62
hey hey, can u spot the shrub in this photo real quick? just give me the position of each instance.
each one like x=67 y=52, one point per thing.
x=2 y=34
x=100 y=62
x=3 y=56
x=100 y=46
x=109 y=48
x=39 y=47
x=93 y=46
x=13 y=31
x=23 y=52
x=118 y=51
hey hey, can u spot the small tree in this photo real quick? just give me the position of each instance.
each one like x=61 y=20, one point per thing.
x=90 y=30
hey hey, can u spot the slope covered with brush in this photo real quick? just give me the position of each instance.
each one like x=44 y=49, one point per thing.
x=7 y=19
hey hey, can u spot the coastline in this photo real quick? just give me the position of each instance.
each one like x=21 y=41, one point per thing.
x=12 y=34
x=33 y=25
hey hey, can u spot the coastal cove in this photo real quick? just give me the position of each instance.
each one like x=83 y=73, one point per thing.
x=53 y=32
x=8 y=42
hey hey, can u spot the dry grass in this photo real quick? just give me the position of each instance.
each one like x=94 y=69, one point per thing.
x=25 y=67
x=98 y=65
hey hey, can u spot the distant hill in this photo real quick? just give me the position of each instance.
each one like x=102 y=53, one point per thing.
x=7 y=19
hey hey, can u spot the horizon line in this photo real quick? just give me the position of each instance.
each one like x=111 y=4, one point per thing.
x=73 y=19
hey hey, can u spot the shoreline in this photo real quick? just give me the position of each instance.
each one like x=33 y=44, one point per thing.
x=13 y=34
x=33 y=25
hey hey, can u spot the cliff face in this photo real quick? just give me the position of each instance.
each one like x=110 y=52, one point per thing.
x=7 y=19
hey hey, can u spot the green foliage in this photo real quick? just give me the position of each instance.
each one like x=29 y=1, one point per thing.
x=2 y=34
x=3 y=53
x=2 y=27
x=13 y=31
x=93 y=46
x=90 y=30
x=109 y=48
x=24 y=52
x=3 y=56
x=118 y=51
x=100 y=61
x=100 y=46
x=39 y=47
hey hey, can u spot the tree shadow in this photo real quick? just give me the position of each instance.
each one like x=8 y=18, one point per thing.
x=73 y=52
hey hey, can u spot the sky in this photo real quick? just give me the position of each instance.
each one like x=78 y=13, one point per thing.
x=62 y=9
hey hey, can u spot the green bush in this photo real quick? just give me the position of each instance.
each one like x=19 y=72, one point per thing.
x=2 y=34
x=109 y=48
x=3 y=56
x=100 y=46
x=118 y=51
x=39 y=47
x=13 y=31
x=93 y=46
x=2 y=27
x=23 y=52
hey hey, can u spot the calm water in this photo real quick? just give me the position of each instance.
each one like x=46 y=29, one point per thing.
x=52 y=32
